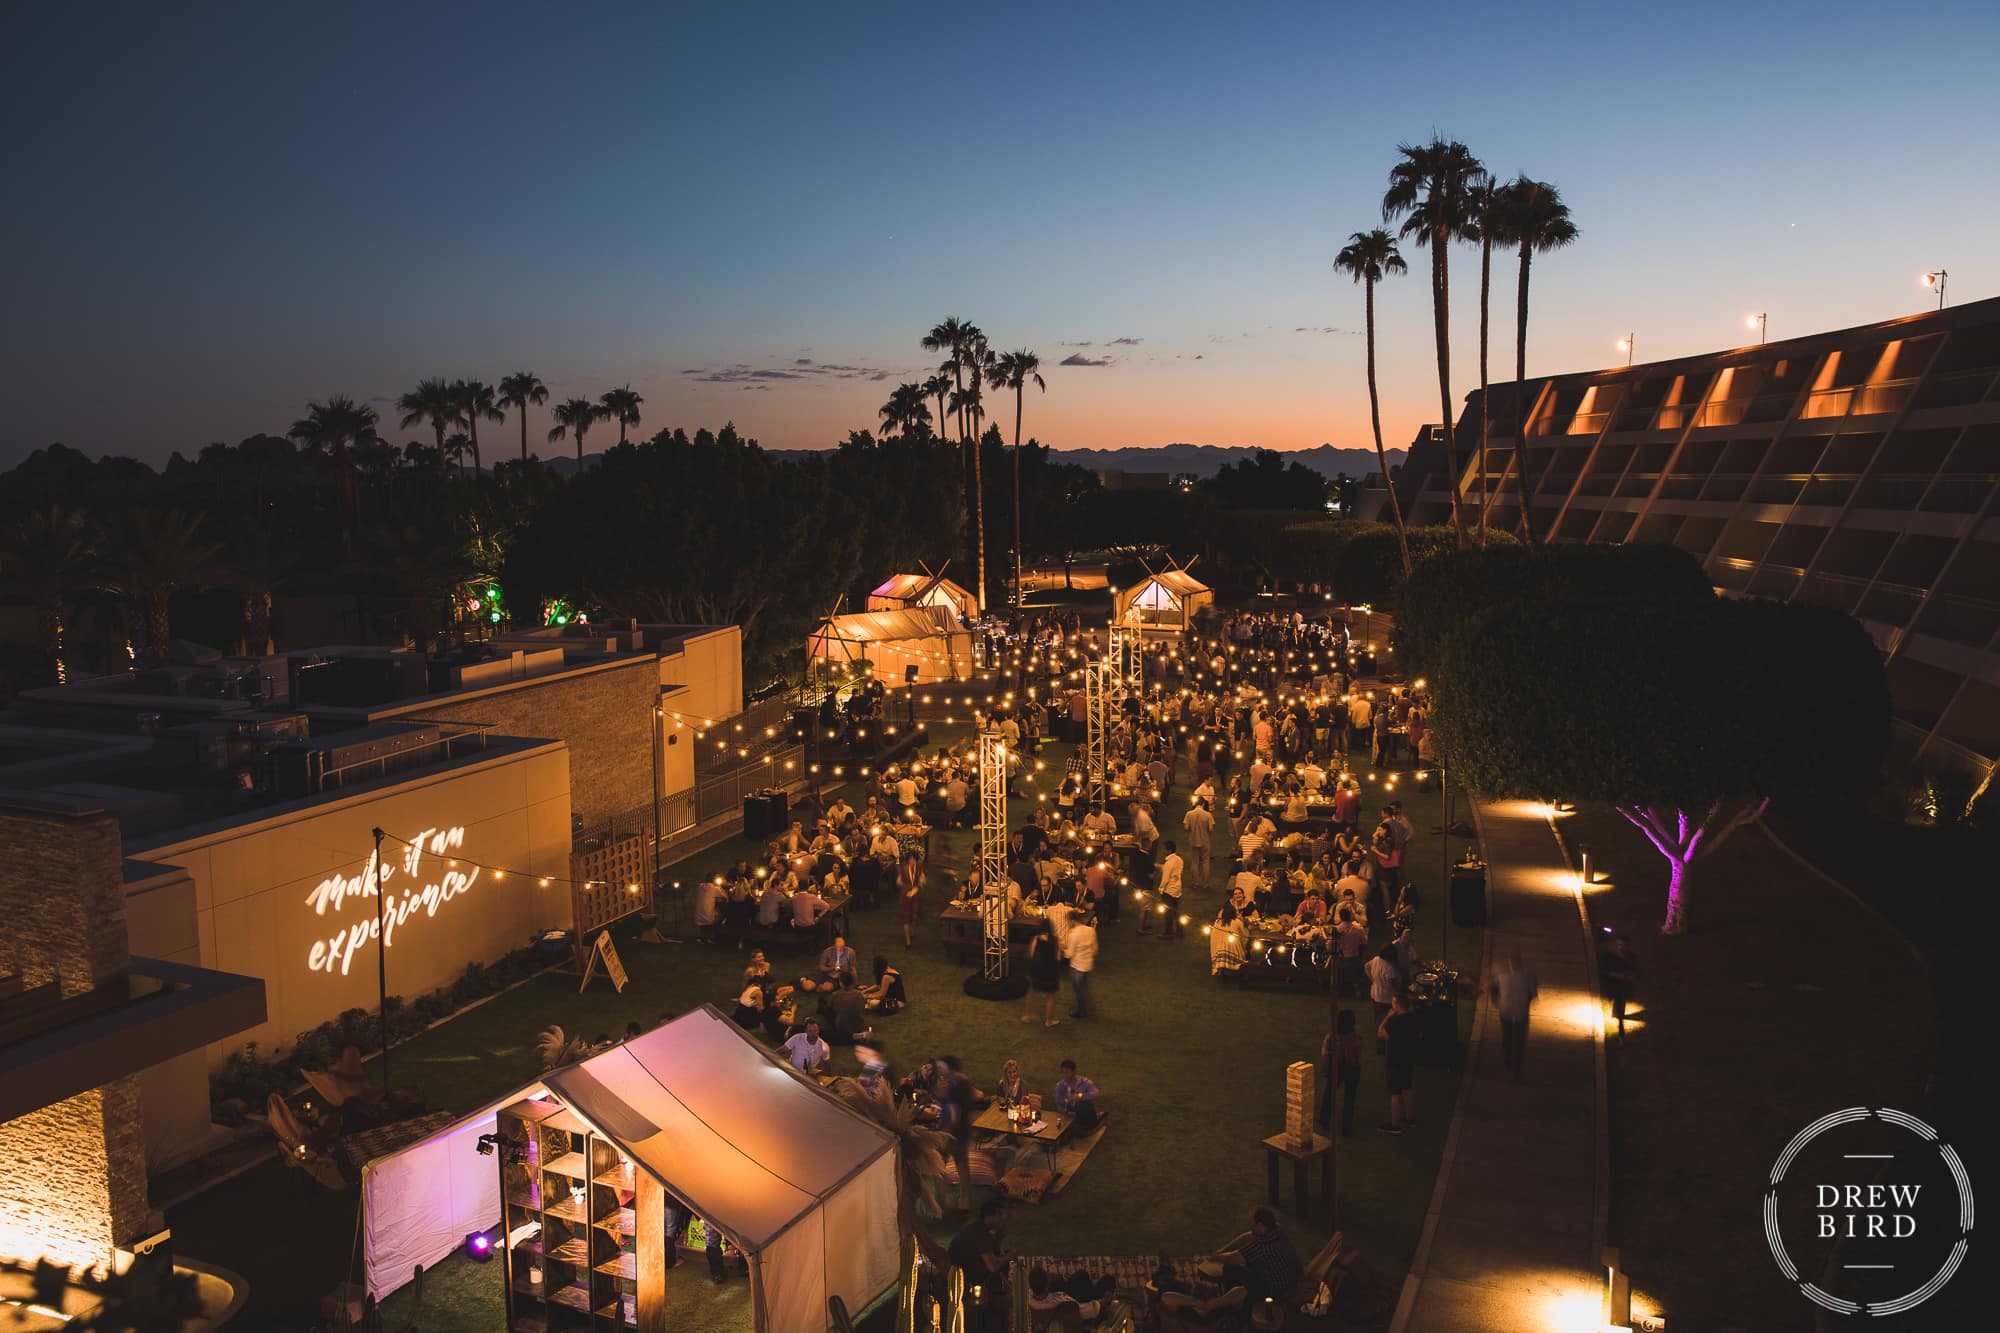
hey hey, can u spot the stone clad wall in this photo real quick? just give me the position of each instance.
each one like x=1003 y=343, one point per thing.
x=604 y=717
x=72 y=1175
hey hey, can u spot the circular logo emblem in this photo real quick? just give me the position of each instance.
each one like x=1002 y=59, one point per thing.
x=1869 y=1212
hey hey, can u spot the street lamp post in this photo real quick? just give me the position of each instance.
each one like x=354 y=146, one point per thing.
x=1936 y=278
x=381 y=954
x=1626 y=344
x=1757 y=322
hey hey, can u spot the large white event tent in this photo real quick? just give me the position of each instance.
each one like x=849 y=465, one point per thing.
x=801 y=1183
x=907 y=592
x=1166 y=601
x=928 y=638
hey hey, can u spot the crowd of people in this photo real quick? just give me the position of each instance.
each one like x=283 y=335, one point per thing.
x=1254 y=778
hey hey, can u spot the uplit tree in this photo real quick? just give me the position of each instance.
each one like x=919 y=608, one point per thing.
x=1687 y=718
x=48 y=557
x=156 y=553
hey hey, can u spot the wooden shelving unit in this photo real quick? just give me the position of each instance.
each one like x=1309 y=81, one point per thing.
x=570 y=1227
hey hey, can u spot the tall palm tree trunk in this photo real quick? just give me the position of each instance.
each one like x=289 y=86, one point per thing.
x=1522 y=480
x=979 y=495
x=1441 y=323
x=1381 y=455
x=1019 y=394
x=1485 y=415
x=442 y=473
x=579 y=453
x=524 y=432
x=472 y=435
x=159 y=625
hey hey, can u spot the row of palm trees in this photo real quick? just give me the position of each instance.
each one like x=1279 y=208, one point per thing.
x=1443 y=194
x=453 y=410
x=970 y=366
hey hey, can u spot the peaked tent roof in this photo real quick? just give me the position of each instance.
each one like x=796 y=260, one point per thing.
x=737 y=1134
x=1178 y=581
x=923 y=622
x=913 y=587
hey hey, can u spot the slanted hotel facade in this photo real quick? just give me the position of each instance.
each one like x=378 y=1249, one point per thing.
x=1857 y=469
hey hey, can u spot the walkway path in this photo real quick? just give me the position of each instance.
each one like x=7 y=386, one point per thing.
x=1513 y=1235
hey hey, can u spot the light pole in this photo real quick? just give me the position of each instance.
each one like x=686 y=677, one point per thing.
x=1626 y=344
x=381 y=955
x=1757 y=322
x=1936 y=279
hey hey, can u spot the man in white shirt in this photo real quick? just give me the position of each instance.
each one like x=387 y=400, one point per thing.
x=1143 y=827
x=1081 y=947
x=955 y=793
x=1259 y=770
x=807 y=908
x=906 y=791
x=708 y=897
x=1360 y=713
x=1099 y=823
x=1200 y=826
x=807 y=1051
x=1170 y=891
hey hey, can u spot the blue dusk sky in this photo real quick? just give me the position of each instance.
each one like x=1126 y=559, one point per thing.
x=752 y=212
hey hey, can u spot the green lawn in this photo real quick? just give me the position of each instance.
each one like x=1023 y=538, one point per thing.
x=1192 y=1074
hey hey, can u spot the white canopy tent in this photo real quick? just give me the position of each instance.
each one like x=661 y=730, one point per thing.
x=908 y=592
x=928 y=638
x=1167 y=601
x=804 y=1185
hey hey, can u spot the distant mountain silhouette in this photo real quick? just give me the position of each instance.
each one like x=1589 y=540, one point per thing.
x=1205 y=460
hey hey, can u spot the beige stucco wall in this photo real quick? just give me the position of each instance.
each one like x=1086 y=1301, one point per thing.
x=252 y=898
x=709 y=667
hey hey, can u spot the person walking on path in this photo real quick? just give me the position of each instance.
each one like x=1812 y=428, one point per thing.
x=1082 y=950
x=1513 y=991
x=1618 y=972
x=1340 y=1063
x=1044 y=977
x=1385 y=983
x=1170 y=892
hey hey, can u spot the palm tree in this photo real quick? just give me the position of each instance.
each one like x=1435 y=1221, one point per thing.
x=517 y=391
x=256 y=559
x=1489 y=225
x=45 y=557
x=574 y=418
x=1370 y=256
x=1017 y=370
x=924 y=1150
x=337 y=428
x=1430 y=190
x=621 y=406
x=476 y=401
x=158 y=553
x=938 y=386
x=906 y=413
x=432 y=401
x=951 y=337
x=1537 y=219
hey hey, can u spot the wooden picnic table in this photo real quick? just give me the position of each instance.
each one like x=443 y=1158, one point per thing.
x=1054 y=1125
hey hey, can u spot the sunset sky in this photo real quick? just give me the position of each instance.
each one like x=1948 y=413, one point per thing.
x=752 y=212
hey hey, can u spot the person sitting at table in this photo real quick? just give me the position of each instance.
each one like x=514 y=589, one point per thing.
x=807 y=909
x=1099 y=825
x=907 y=791
x=1009 y=1089
x=846 y=1010
x=1312 y=908
x=956 y=793
x=770 y=904
x=1076 y=1096
x=887 y=994
x=883 y=845
x=1347 y=805
x=1311 y=775
x=839 y=812
x=915 y=1086
x=1296 y=811
x=806 y=1050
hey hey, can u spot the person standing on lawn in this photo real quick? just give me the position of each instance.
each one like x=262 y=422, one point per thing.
x=1200 y=825
x=1044 y=977
x=1340 y=1062
x=910 y=896
x=1170 y=891
x=1399 y=1031
x=1082 y=950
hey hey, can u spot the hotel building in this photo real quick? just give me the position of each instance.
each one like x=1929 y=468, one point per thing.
x=1858 y=469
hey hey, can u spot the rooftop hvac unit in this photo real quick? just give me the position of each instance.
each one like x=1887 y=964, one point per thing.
x=305 y=768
